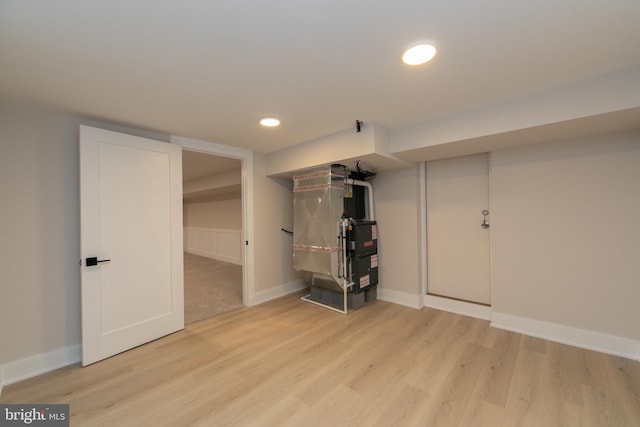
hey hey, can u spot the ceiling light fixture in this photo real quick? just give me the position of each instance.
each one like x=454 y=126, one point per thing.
x=419 y=54
x=269 y=122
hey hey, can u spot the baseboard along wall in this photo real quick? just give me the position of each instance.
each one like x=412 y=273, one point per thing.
x=582 y=338
x=401 y=298
x=278 y=291
x=478 y=311
x=589 y=340
x=32 y=366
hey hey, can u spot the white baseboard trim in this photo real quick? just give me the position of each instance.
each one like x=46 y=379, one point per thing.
x=590 y=340
x=39 y=364
x=401 y=298
x=459 y=307
x=278 y=291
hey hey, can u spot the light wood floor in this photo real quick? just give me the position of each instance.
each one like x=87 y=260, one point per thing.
x=290 y=363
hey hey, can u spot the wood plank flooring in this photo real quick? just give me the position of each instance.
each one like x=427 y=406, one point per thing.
x=290 y=363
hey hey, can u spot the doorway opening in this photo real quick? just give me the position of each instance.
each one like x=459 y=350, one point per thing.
x=213 y=237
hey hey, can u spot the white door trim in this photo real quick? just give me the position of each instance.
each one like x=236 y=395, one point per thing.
x=422 y=210
x=246 y=156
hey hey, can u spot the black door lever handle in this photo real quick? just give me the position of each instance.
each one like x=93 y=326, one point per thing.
x=91 y=261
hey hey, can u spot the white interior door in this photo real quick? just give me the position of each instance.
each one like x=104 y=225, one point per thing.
x=130 y=217
x=457 y=245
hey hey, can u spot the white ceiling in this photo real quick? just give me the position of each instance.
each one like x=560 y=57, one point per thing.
x=209 y=69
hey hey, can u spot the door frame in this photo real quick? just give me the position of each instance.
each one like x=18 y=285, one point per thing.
x=246 y=157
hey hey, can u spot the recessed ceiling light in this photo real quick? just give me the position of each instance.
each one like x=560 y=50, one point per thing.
x=419 y=54
x=269 y=122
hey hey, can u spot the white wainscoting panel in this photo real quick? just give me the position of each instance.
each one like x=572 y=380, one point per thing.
x=223 y=245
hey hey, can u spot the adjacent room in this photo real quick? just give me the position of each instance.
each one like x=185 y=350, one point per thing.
x=336 y=213
x=212 y=219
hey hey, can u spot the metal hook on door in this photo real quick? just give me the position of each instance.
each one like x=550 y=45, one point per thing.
x=484 y=224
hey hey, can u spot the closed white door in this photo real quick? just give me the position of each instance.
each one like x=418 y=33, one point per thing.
x=457 y=243
x=131 y=241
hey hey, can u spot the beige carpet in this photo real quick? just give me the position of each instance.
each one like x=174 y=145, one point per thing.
x=211 y=287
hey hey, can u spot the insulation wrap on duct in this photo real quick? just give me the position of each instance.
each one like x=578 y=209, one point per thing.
x=317 y=210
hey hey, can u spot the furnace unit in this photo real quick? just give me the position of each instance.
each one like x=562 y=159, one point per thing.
x=335 y=236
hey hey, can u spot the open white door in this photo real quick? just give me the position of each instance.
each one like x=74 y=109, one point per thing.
x=131 y=228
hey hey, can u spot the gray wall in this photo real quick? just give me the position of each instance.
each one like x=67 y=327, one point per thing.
x=224 y=214
x=397 y=196
x=565 y=237
x=273 y=210
x=39 y=229
x=39 y=254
